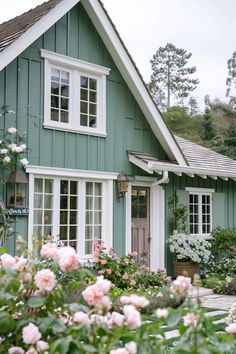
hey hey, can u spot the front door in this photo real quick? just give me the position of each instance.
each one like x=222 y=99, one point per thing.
x=140 y=207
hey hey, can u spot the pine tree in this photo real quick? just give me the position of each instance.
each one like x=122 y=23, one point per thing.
x=170 y=75
x=193 y=106
x=208 y=129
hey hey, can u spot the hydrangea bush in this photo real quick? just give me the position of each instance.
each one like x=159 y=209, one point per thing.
x=189 y=248
x=35 y=318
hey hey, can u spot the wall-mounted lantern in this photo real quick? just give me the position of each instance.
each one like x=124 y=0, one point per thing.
x=17 y=190
x=123 y=184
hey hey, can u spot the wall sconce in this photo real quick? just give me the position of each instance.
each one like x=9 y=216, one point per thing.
x=17 y=190
x=122 y=181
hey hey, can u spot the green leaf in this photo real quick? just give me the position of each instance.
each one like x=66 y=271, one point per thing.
x=60 y=346
x=173 y=320
x=58 y=326
x=36 y=301
x=7 y=323
x=89 y=348
x=45 y=323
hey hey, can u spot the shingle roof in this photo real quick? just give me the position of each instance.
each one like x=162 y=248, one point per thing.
x=199 y=156
x=14 y=28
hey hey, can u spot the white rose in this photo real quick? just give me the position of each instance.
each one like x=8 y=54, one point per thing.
x=18 y=149
x=24 y=161
x=7 y=159
x=12 y=130
x=3 y=151
x=23 y=147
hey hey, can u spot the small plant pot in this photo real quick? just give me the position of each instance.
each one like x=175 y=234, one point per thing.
x=185 y=268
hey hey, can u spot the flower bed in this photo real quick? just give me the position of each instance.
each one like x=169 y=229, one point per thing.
x=35 y=318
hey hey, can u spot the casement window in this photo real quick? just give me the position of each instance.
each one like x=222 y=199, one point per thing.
x=200 y=212
x=75 y=211
x=75 y=94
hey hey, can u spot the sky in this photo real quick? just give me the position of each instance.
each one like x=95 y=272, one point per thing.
x=205 y=28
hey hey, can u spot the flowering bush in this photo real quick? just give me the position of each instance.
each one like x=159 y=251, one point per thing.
x=35 y=319
x=12 y=149
x=189 y=248
x=124 y=272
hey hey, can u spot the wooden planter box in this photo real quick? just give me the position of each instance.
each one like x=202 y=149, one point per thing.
x=185 y=268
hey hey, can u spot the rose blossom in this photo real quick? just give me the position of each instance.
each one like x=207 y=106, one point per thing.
x=138 y=301
x=108 y=270
x=103 y=284
x=31 y=334
x=12 y=130
x=100 y=272
x=45 y=280
x=103 y=261
x=162 y=313
x=26 y=277
x=7 y=159
x=16 y=350
x=23 y=146
x=191 y=319
x=131 y=347
x=24 y=161
x=8 y=261
x=93 y=294
x=42 y=345
x=69 y=262
x=117 y=319
x=31 y=351
x=231 y=328
x=119 y=351
x=3 y=151
x=132 y=282
x=132 y=316
x=125 y=276
x=81 y=317
x=50 y=250
x=17 y=149
x=20 y=264
x=124 y=300
x=181 y=285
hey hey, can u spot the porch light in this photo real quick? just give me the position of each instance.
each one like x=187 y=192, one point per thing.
x=122 y=181
x=17 y=188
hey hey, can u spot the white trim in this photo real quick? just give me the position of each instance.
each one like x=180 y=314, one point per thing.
x=31 y=212
x=34 y=32
x=157 y=223
x=83 y=66
x=141 y=164
x=66 y=172
x=200 y=190
x=119 y=55
x=76 y=68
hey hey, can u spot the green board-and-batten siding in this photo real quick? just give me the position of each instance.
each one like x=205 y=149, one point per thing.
x=22 y=89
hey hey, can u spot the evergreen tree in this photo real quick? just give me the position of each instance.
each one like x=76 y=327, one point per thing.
x=208 y=129
x=193 y=106
x=231 y=79
x=170 y=76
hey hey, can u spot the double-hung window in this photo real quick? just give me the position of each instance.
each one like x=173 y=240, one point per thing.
x=77 y=211
x=75 y=94
x=200 y=212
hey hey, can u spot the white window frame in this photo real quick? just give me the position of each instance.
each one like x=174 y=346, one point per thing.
x=200 y=192
x=107 y=205
x=76 y=68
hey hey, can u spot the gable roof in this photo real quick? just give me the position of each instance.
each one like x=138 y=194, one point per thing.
x=21 y=32
x=201 y=161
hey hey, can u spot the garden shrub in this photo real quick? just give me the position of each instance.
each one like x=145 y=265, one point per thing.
x=212 y=281
x=223 y=240
x=231 y=289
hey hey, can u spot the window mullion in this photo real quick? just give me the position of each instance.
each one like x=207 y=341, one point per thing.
x=200 y=213
x=81 y=220
x=56 y=207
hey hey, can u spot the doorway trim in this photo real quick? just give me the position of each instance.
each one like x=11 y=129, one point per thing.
x=157 y=222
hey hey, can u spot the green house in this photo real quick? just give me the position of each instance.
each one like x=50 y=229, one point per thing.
x=88 y=116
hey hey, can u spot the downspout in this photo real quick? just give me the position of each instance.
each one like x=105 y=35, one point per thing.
x=164 y=179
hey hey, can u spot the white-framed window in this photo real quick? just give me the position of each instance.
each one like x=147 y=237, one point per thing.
x=200 y=211
x=74 y=94
x=75 y=210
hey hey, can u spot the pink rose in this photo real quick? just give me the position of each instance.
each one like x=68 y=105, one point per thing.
x=162 y=313
x=108 y=270
x=101 y=272
x=50 y=250
x=8 y=261
x=31 y=334
x=132 y=316
x=16 y=350
x=31 y=351
x=42 y=346
x=124 y=300
x=81 y=317
x=132 y=282
x=69 y=262
x=125 y=276
x=131 y=347
x=93 y=294
x=231 y=328
x=45 y=280
x=103 y=261
x=138 y=301
x=117 y=319
x=21 y=264
x=103 y=284
x=119 y=351
x=191 y=319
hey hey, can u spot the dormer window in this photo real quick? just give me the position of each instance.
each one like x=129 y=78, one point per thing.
x=75 y=95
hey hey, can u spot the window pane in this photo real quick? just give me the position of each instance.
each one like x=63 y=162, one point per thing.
x=38 y=217
x=47 y=217
x=63 y=232
x=64 y=103
x=89 y=203
x=38 y=185
x=97 y=217
x=48 y=201
x=38 y=201
x=55 y=115
x=64 y=203
x=48 y=185
x=89 y=217
x=98 y=188
x=73 y=187
x=63 y=217
x=84 y=95
x=97 y=232
x=88 y=232
x=88 y=247
x=92 y=96
x=64 y=187
x=92 y=122
x=83 y=107
x=93 y=84
x=73 y=217
x=55 y=74
x=73 y=202
x=54 y=101
x=72 y=235
x=64 y=117
x=84 y=82
x=65 y=77
x=55 y=88
x=89 y=188
x=65 y=90
x=97 y=203
x=92 y=109
x=84 y=120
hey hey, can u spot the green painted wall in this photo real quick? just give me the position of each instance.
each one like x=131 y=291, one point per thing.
x=22 y=88
x=220 y=186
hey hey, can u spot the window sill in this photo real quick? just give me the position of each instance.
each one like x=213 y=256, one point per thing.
x=73 y=130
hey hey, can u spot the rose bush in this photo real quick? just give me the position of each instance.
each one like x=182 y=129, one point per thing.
x=35 y=317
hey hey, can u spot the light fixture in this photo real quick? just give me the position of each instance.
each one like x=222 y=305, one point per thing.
x=17 y=190
x=122 y=181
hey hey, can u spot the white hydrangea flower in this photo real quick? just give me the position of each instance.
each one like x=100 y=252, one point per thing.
x=24 y=161
x=7 y=159
x=12 y=130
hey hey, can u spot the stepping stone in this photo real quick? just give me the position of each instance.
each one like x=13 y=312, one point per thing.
x=172 y=334
x=199 y=292
x=216 y=313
